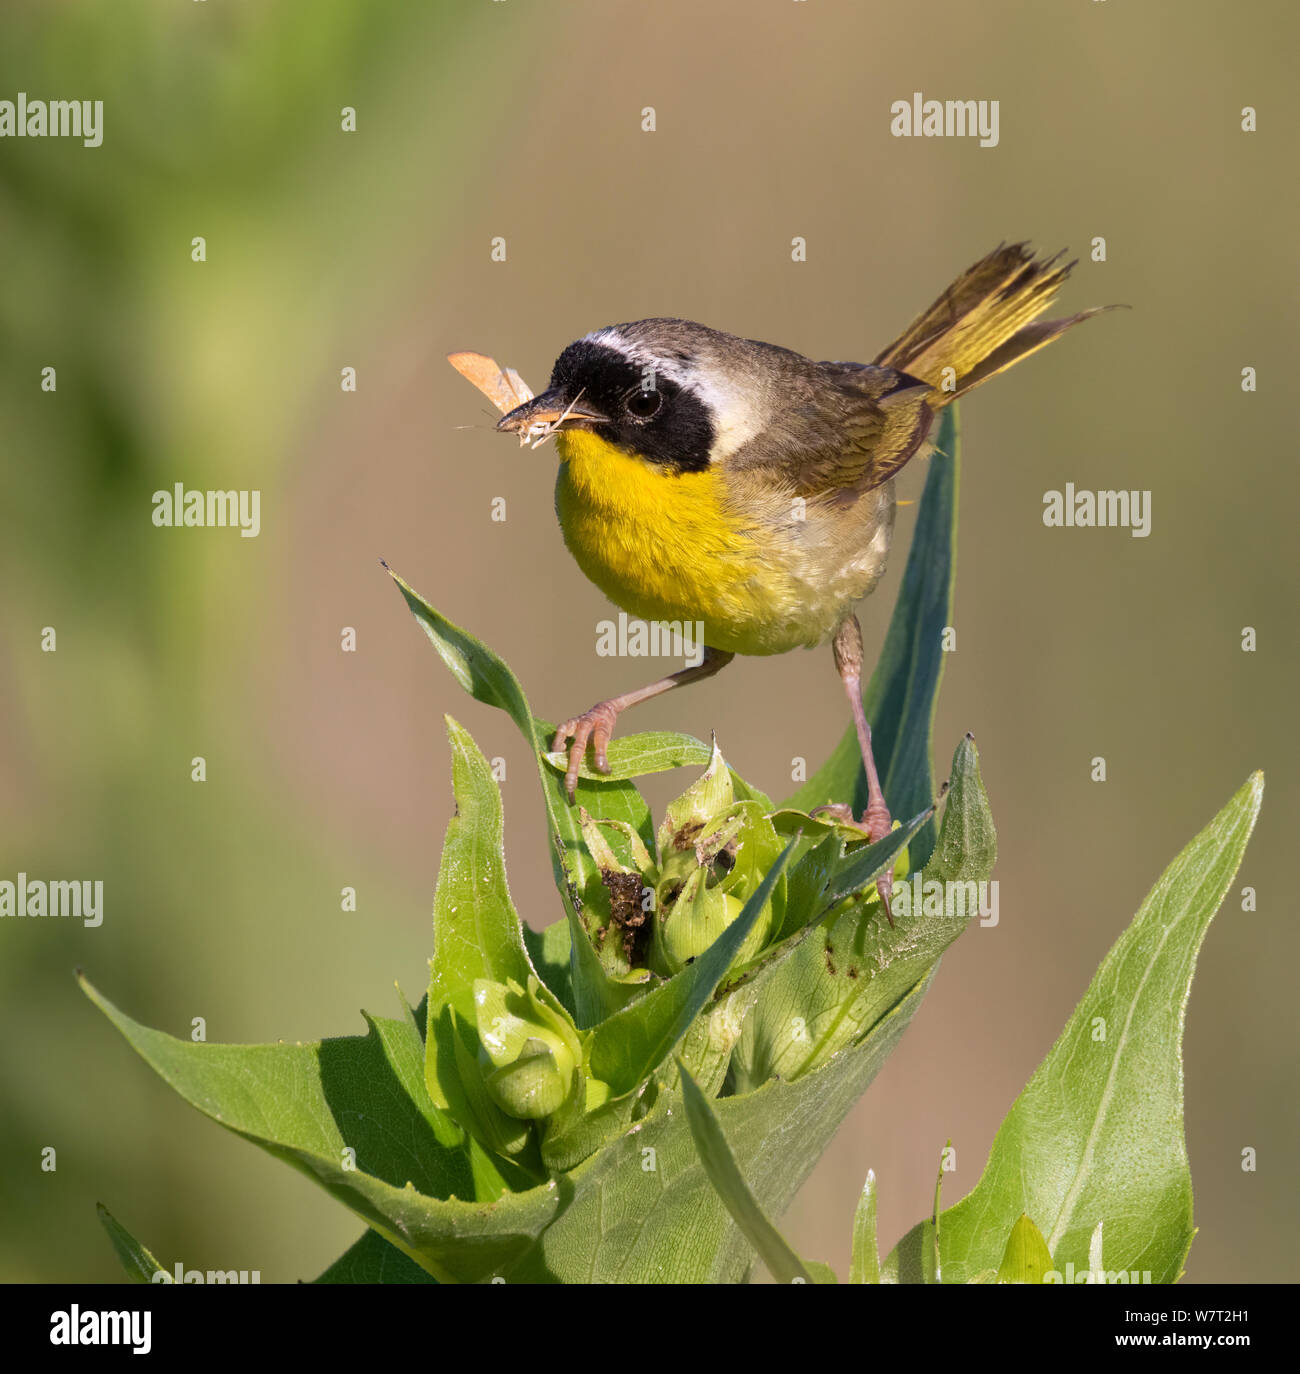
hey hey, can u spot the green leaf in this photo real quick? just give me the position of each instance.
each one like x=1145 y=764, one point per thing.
x=865 y=1264
x=720 y=1165
x=477 y=939
x=478 y=670
x=549 y=950
x=651 y=751
x=476 y=929
x=372 y=1260
x=707 y=1047
x=1026 y=1258
x=808 y=878
x=635 y=756
x=1097 y=1134
x=900 y=699
x=967 y=847
x=746 y=791
x=139 y=1264
x=487 y=678
x=789 y=822
x=320 y=1106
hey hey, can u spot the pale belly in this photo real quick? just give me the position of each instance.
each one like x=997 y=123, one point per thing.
x=678 y=548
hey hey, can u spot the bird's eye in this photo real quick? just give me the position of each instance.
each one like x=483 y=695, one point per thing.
x=641 y=404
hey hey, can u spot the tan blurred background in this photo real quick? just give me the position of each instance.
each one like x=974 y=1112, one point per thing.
x=372 y=250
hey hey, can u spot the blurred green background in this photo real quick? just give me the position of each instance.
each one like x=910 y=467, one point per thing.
x=371 y=250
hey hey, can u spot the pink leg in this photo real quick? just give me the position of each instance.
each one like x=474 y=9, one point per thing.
x=876 y=820
x=597 y=724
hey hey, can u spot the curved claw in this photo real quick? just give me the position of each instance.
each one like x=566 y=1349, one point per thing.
x=885 y=886
x=595 y=725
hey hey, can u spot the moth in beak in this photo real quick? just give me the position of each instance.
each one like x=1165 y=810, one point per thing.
x=536 y=420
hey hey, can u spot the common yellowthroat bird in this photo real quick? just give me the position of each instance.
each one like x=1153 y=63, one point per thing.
x=705 y=477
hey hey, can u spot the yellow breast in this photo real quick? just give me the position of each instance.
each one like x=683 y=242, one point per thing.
x=678 y=546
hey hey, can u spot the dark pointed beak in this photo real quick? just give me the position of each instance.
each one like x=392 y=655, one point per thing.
x=553 y=408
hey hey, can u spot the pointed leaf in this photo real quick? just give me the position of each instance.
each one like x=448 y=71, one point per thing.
x=353 y=1115
x=139 y=1264
x=488 y=679
x=1026 y=1258
x=865 y=1265
x=720 y=1165
x=476 y=929
x=636 y=756
x=1097 y=1135
x=372 y=1260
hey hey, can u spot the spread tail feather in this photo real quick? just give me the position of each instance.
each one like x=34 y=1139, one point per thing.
x=984 y=323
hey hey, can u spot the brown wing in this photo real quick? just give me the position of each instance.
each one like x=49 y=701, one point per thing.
x=503 y=386
x=844 y=429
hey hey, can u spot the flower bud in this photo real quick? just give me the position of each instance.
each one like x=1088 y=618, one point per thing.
x=688 y=925
x=532 y=1087
x=527 y=1051
x=684 y=819
x=696 y=919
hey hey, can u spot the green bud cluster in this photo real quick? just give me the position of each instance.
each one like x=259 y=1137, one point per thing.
x=531 y=1084
x=666 y=909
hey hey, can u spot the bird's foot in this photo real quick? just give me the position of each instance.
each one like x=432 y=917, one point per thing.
x=875 y=824
x=594 y=726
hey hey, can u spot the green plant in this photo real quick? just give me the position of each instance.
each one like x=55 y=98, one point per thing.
x=635 y=1091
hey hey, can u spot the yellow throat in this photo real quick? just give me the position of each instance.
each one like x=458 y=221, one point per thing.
x=663 y=545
